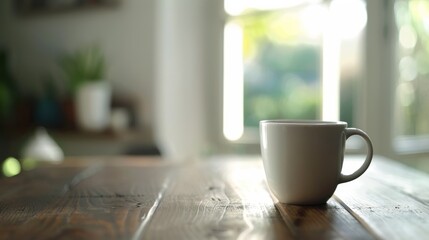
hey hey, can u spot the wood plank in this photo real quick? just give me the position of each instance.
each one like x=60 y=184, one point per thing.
x=217 y=199
x=382 y=199
x=43 y=176
x=24 y=196
x=28 y=187
x=151 y=199
x=405 y=179
x=328 y=221
x=107 y=205
x=129 y=192
x=117 y=203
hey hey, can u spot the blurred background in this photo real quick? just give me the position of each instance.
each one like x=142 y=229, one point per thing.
x=192 y=78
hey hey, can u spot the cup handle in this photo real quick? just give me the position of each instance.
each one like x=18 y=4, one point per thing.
x=354 y=131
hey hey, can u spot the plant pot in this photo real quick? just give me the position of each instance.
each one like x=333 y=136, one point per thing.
x=93 y=106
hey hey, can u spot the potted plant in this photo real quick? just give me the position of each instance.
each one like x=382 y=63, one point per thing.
x=86 y=72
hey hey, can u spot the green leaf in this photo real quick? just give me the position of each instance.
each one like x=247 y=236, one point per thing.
x=84 y=65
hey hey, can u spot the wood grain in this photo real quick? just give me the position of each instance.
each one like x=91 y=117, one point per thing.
x=108 y=204
x=198 y=201
x=24 y=197
x=390 y=200
x=217 y=200
x=328 y=221
x=146 y=198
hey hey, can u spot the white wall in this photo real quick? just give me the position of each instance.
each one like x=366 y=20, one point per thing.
x=188 y=77
x=125 y=33
x=166 y=53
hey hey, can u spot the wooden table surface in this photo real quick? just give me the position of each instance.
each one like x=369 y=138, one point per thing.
x=220 y=198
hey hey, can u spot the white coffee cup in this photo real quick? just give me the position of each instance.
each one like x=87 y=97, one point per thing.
x=303 y=158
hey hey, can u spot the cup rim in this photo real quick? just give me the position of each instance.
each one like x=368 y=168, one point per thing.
x=302 y=122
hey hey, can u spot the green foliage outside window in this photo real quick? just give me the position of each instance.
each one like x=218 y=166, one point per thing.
x=281 y=72
x=413 y=84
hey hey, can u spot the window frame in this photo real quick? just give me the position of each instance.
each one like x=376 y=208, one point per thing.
x=375 y=100
x=377 y=111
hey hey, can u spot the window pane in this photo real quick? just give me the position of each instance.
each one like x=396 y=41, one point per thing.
x=281 y=67
x=283 y=57
x=351 y=73
x=412 y=89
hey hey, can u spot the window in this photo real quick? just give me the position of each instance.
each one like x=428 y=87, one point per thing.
x=290 y=59
x=412 y=87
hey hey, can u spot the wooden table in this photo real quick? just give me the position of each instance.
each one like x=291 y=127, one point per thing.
x=221 y=198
